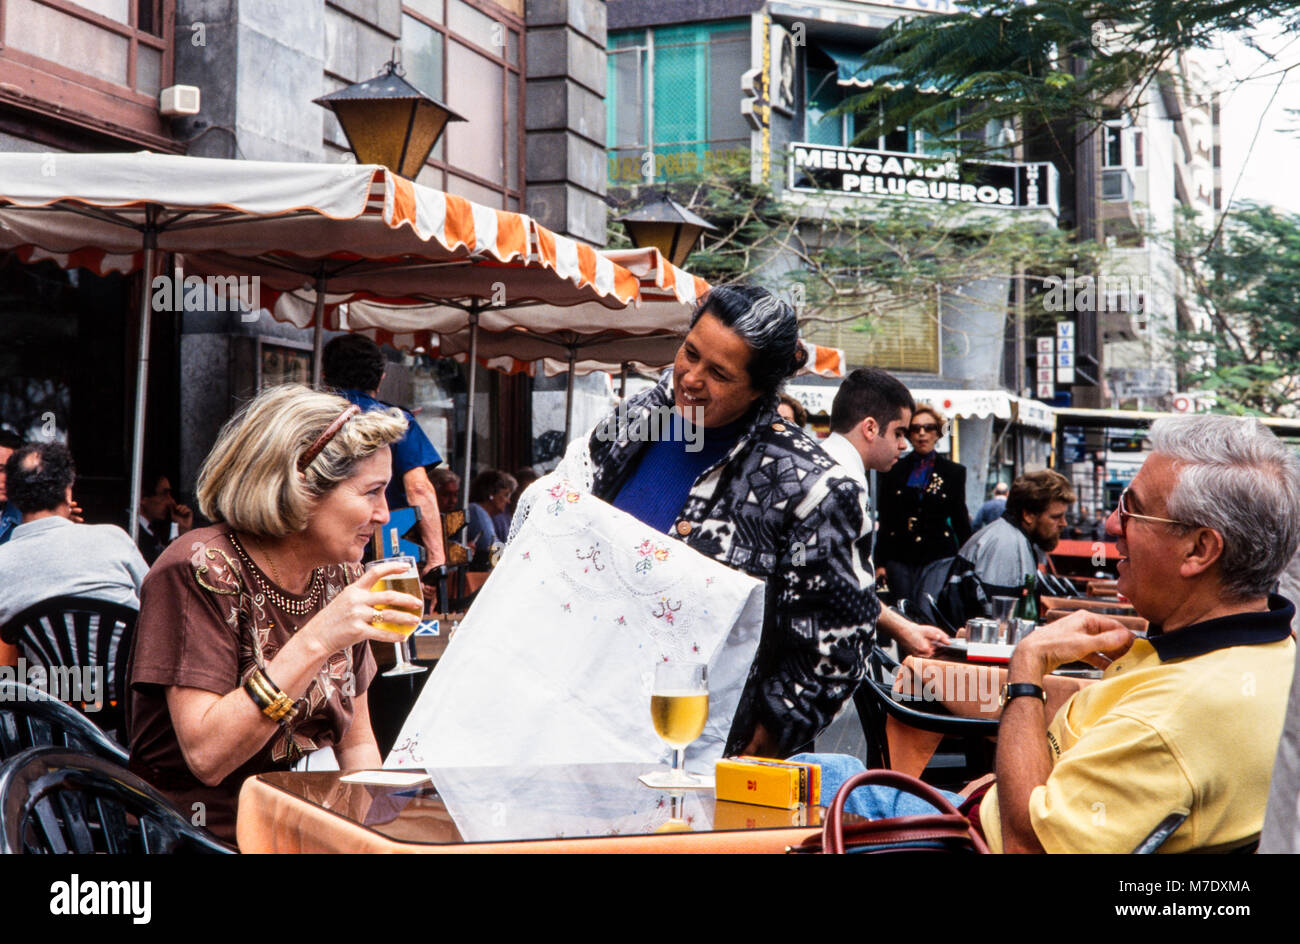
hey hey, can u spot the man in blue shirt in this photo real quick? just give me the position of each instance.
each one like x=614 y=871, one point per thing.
x=354 y=366
x=10 y=516
x=992 y=509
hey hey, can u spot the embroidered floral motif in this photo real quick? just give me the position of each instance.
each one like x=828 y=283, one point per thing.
x=410 y=749
x=666 y=609
x=648 y=550
x=593 y=555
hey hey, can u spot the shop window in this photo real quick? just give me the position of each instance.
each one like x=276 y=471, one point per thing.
x=101 y=61
x=469 y=57
x=674 y=92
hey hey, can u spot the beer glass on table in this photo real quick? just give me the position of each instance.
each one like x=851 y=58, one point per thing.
x=408 y=581
x=679 y=709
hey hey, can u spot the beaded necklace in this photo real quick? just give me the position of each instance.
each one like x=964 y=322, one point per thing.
x=296 y=607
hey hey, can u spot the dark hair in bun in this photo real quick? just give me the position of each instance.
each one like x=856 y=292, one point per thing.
x=767 y=324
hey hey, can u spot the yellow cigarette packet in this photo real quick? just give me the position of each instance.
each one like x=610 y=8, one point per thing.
x=764 y=781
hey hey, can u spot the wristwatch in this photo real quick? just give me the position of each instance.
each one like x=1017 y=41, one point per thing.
x=1016 y=689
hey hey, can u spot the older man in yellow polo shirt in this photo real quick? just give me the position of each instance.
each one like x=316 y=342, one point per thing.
x=1189 y=718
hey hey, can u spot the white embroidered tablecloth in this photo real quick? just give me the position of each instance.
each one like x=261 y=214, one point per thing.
x=554 y=663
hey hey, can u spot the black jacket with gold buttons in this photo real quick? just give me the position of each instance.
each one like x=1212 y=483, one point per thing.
x=920 y=526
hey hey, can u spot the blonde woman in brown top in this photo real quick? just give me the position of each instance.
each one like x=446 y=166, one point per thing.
x=252 y=646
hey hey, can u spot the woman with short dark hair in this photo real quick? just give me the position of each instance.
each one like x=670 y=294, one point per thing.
x=729 y=476
x=489 y=497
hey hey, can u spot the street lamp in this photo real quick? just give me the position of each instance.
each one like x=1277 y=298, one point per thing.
x=389 y=121
x=662 y=222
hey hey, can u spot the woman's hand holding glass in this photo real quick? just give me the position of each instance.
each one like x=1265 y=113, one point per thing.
x=352 y=615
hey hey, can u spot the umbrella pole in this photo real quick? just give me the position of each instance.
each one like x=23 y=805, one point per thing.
x=568 y=395
x=622 y=381
x=318 y=338
x=469 y=427
x=142 y=368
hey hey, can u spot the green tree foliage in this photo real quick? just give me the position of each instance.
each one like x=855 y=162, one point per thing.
x=1044 y=63
x=848 y=259
x=1248 y=284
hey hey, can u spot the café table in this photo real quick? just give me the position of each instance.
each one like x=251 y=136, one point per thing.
x=965 y=689
x=573 y=808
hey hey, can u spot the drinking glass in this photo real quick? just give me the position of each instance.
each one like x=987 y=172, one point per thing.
x=1002 y=609
x=679 y=709
x=408 y=581
x=1018 y=629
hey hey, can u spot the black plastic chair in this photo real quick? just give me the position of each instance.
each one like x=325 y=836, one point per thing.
x=53 y=800
x=76 y=632
x=30 y=718
x=875 y=702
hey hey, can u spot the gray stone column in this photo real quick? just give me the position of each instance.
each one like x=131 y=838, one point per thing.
x=972 y=326
x=258 y=64
x=564 y=122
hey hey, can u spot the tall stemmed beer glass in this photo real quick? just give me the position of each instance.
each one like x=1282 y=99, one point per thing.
x=408 y=581
x=679 y=709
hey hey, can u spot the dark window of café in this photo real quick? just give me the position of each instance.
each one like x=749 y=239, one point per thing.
x=67 y=371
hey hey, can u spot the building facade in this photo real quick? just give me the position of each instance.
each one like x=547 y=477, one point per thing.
x=699 y=86
x=694 y=86
x=85 y=75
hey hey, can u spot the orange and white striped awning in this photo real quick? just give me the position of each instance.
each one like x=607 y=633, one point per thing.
x=368 y=232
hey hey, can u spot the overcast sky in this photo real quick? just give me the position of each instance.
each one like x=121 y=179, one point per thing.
x=1270 y=171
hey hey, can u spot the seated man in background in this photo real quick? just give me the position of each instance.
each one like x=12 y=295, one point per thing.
x=1014 y=544
x=992 y=509
x=162 y=518
x=1187 y=719
x=49 y=555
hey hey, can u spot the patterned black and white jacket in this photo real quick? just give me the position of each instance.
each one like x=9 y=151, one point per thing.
x=779 y=509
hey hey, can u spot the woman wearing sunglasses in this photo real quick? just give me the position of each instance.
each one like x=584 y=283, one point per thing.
x=923 y=516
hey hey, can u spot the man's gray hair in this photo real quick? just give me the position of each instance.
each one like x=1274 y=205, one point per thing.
x=1238 y=478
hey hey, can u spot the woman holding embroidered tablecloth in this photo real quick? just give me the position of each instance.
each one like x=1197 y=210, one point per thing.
x=252 y=646
x=705 y=457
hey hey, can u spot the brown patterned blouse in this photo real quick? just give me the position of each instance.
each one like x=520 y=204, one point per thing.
x=208 y=617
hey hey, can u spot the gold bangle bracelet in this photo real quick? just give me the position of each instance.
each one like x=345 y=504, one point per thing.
x=269 y=698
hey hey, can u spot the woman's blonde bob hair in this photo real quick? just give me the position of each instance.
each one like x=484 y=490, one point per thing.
x=250 y=479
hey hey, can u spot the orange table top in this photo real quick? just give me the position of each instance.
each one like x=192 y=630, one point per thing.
x=577 y=808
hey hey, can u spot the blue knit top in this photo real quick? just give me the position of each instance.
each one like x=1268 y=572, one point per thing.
x=657 y=489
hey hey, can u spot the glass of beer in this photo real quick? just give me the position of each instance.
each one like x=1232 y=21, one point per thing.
x=408 y=581
x=679 y=709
